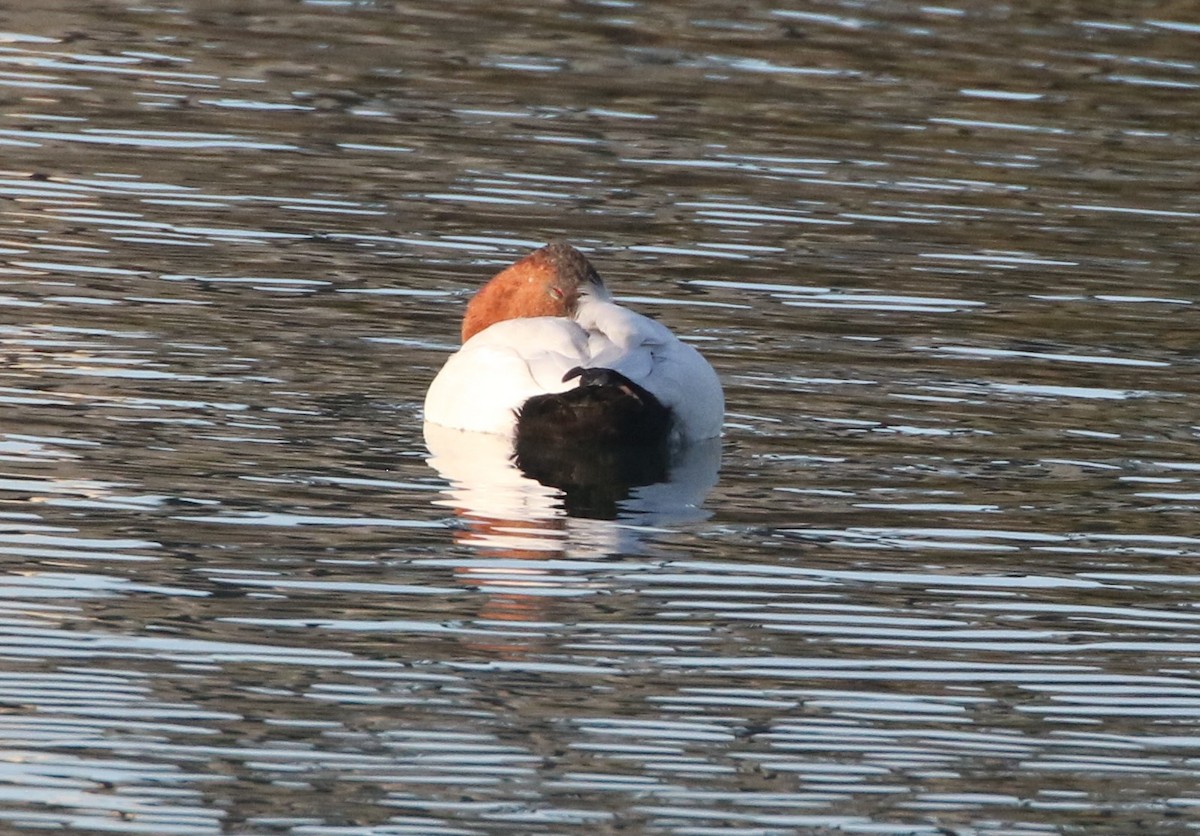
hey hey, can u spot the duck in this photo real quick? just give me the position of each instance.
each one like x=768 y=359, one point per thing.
x=549 y=359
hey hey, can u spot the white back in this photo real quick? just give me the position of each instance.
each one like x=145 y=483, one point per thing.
x=497 y=370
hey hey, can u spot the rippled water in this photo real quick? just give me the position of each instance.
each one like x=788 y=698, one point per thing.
x=943 y=257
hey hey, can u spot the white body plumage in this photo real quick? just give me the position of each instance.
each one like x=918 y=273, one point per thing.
x=484 y=383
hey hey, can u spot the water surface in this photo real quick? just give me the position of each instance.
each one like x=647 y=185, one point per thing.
x=941 y=256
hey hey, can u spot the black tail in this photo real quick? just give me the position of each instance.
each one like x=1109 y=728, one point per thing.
x=606 y=410
x=595 y=443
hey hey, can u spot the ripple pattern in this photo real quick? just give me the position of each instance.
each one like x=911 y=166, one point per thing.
x=938 y=578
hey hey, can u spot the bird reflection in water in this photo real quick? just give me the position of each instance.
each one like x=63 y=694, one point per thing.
x=593 y=479
x=550 y=505
x=646 y=485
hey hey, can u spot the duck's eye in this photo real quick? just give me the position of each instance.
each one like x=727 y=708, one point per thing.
x=556 y=292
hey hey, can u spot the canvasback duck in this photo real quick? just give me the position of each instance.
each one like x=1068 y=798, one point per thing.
x=549 y=357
